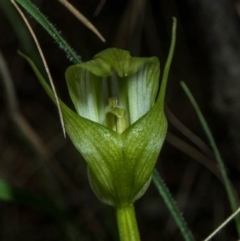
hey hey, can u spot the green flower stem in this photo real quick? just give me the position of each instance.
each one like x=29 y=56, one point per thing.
x=127 y=224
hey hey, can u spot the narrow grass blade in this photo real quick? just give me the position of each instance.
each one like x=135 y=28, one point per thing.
x=42 y=20
x=226 y=181
x=21 y=32
x=11 y=193
x=171 y=204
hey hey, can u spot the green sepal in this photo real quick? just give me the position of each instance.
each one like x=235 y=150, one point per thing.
x=86 y=135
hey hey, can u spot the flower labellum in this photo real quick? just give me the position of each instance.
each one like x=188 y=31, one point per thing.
x=124 y=127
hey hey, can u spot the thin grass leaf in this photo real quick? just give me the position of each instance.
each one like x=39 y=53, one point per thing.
x=226 y=181
x=10 y=193
x=44 y=63
x=171 y=204
x=54 y=33
x=21 y=31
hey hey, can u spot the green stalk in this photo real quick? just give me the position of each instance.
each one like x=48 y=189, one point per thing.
x=222 y=168
x=127 y=224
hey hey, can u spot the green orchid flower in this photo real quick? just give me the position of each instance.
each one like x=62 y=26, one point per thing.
x=117 y=93
x=119 y=125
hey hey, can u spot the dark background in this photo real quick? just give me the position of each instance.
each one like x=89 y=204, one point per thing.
x=207 y=58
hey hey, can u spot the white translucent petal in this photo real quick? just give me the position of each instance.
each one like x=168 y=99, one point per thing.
x=87 y=105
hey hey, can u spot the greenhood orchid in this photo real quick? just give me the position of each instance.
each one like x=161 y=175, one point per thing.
x=116 y=93
x=119 y=125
